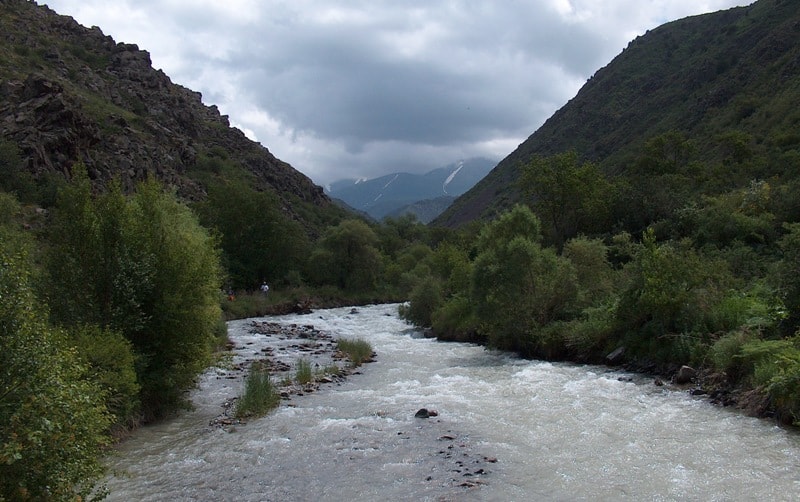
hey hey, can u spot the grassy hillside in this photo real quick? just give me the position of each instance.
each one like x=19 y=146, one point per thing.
x=728 y=81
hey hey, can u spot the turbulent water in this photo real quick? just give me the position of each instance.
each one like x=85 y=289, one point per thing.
x=507 y=429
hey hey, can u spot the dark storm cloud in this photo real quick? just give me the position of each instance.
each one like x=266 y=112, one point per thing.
x=361 y=87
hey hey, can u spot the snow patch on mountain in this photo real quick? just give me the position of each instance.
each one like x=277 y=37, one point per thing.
x=452 y=175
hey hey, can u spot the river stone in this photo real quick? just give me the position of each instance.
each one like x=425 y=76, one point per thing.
x=422 y=413
x=685 y=375
x=615 y=357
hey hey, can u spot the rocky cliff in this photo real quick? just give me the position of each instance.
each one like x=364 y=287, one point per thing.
x=71 y=94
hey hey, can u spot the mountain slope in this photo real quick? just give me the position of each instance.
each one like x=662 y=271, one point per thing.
x=382 y=196
x=71 y=94
x=734 y=71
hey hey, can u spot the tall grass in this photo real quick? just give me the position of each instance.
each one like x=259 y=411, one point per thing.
x=357 y=350
x=259 y=395
x=303 y=373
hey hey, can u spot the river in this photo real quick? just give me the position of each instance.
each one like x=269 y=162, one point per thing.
x=507 y=429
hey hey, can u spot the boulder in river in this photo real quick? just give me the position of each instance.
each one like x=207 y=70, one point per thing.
x=616 y=356
x=424 y=413
x=685 y=375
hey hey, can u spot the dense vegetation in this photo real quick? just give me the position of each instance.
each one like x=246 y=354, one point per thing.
x=728 y=81
x=670 y=268
x=663 y=231
x=112 y=303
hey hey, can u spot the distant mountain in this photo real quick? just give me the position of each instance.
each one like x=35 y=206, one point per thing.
x=425 y=210
x=728 y=81
x=384 y=196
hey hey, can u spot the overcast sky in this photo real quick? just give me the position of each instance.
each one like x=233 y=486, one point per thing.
x=361 y=88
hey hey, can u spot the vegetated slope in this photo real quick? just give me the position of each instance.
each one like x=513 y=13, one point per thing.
x=424 y=210
x=385 y=195
x=71 y=94
x=734 y=71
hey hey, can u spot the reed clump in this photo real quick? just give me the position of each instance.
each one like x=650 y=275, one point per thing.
x=260 y=395
x=357 y=350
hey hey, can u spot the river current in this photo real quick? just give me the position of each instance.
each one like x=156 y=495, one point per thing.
x=507 y=429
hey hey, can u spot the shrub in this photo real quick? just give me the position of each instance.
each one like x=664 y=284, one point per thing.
x=53 y=421
x=425 y=298
x=589 y=335
x=777 y=371
x=726 y=353
x=259 y=395
x=112 y=365
x=358 y=350
x=455 y=320
x=142 y=266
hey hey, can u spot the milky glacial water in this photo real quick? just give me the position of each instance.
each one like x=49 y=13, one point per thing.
x=557 y=432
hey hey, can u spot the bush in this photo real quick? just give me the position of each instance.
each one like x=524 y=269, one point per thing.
x=358 y=351
x=776 y=369
x=726 y=353
x=589 y=335
x=112 y=365
x=259 y=395
x=455 y=320
x=142 y=266
x=425 y=298
x=53 y=421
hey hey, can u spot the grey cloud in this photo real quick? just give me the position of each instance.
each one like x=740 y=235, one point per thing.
x=360 y=87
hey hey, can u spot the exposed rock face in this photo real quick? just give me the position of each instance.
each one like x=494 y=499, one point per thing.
x=72 y=94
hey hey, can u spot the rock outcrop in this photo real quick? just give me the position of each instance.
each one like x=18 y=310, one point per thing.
x=71 y=94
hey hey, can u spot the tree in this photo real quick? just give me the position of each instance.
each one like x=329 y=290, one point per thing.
x=570 y=197
x=258 y=241
x=144 y=267
x=518 y=287
x=52 y=418
x=182 y=309
x=347 y=257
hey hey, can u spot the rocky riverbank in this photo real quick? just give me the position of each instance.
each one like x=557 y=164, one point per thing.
x=452 y=459
x=283 y=350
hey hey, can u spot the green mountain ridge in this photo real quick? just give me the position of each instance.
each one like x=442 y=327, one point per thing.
x=711 y=78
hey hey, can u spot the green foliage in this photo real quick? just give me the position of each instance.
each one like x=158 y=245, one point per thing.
x=452 y=264
x=568 y=196
x=735 y=217
x=182 y=308
x=594 y=273
x=789 y=275
x=777 y=371
x=670 y=285
x=144 y=267
x=726 y=353
x=260 y=395
x=347 y=257
x=259 y=242
x=424 y=300
x=591 y=335
x=517 y=286
x=456 y=320
x=52 y=418
x=357 y=350
x=112 y=365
